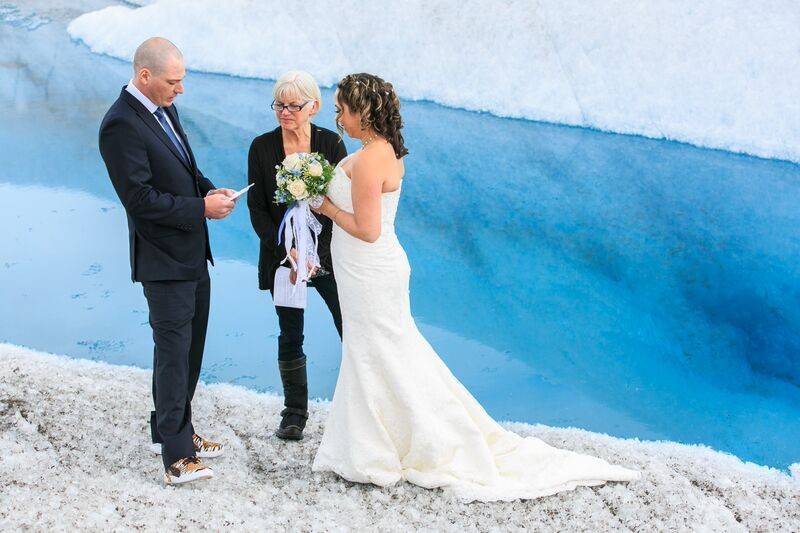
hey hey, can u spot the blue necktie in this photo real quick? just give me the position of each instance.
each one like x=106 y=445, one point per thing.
x=162 y=118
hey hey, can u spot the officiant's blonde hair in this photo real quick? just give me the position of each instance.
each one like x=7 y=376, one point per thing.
x=298 y=84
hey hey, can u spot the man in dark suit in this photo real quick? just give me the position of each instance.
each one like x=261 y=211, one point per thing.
x=167 y=200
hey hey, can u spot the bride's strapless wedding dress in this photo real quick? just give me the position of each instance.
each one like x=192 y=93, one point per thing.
x=398 y=413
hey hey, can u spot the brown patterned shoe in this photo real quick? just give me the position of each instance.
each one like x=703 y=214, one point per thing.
x=186 y=470
x=205 y=448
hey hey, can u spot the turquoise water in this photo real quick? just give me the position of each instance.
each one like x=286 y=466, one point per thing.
x=568 y=277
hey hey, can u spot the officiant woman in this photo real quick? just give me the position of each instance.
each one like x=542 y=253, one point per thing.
x=296 y=98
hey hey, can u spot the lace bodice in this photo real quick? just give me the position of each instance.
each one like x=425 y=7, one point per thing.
x=340 y=194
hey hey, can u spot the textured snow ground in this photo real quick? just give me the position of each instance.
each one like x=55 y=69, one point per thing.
x=73 y=435
x=711 y=73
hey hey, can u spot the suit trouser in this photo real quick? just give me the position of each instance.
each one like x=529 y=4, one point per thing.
x=179 y=319
x=290 y=320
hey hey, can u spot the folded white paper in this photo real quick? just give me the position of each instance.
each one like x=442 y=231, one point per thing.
x=285 y=294
x=239 y=193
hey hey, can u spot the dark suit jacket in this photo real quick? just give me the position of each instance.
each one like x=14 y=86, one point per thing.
x=266 y=151
x=162 y=195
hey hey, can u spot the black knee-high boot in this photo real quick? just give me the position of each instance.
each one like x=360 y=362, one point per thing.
x=295 y=393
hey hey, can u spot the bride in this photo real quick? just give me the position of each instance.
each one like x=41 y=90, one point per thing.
x=398 y=413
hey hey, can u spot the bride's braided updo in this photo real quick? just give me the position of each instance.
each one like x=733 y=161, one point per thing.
x=377 y=103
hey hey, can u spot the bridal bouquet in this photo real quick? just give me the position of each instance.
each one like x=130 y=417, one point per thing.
x=302 y=180
x=301 y=177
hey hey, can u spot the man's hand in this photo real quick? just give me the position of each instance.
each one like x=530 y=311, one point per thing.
x=218 y=205
x=227 y=192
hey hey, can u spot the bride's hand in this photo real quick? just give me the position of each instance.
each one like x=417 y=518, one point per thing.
x=325 y=208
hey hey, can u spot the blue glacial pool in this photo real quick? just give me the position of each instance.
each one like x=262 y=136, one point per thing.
x=569 y=277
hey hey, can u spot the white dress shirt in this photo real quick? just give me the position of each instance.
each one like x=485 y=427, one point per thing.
x=151 y=107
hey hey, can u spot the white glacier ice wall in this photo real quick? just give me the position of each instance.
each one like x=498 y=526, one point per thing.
x=711 y=73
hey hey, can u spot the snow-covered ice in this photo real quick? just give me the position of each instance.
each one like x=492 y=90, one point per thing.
x=73 y=433
x=715 y=74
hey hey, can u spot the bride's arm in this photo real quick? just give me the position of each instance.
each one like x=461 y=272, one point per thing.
x=365 y=222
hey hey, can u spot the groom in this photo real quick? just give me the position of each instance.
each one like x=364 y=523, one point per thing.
x=167 y=200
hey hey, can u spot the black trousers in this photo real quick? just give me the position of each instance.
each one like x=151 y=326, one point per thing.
x=290 y=319
x=179 y=319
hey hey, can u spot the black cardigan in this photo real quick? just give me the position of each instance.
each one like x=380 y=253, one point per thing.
x=266 y=151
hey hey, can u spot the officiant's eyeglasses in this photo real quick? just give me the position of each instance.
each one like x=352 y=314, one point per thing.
x=294 y=108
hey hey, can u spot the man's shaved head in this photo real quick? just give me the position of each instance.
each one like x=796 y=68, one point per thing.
x=158 y=70
x=154 y=54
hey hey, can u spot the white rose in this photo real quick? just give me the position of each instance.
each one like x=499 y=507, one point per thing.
x=315 y=169
x=293 y=162
x=298 y=189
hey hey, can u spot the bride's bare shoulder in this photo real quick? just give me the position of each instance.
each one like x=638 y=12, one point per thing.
x=376 y=160
x=377 y=153
x=373 y=159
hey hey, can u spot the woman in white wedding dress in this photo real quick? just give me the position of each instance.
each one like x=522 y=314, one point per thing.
x=398 y=413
